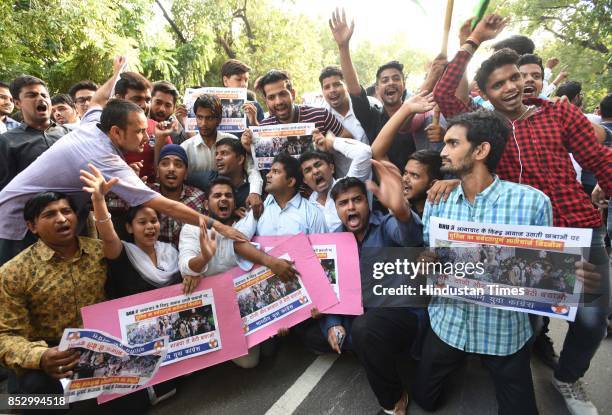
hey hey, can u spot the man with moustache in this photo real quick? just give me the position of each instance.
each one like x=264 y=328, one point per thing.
x=101 y=139
x=474 y=144
x=20 y=146
x=171 y=173
x=230 y=160
x=163 y=106
x=537 y=154
x=390 y=88
x=421 y=171
x=381 y=333
x=63 y=111
x=6 y=108
x=318 y=170
x=203 y=253
x=133 y=87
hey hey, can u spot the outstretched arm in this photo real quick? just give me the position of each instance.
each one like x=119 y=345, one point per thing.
x=95 y=184
x=342 y=35
x=102 y=95
x=419 y=103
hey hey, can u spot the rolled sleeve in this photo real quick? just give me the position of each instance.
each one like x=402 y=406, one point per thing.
x=255 y=180
x=189 y=247
x=360 y=155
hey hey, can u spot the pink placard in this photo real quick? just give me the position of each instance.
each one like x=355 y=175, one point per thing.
x=347 y=257
x=105 y=317
x=313 y=279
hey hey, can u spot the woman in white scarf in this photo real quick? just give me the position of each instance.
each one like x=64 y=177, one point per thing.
x=133 y=267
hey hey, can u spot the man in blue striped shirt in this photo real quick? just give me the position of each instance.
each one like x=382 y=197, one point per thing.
x=474 y=144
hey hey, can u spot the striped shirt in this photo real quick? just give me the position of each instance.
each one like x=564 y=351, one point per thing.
x=322 y=118
x=471 y=327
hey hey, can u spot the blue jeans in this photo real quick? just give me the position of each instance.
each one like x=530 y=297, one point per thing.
x=589 y=328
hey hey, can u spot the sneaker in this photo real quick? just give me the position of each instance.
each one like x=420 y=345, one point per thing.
x=400 y=407
x=575 y=397
x=543 y=350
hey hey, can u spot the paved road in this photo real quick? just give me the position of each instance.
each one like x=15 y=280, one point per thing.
x=295 y=381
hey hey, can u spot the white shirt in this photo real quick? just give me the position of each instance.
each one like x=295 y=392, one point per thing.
x=359 y=156
x=353 y=126
x=299 y=215
x=202 y=158
x=224 y=258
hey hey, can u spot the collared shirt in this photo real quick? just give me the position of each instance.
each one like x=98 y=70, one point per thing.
x=8 y=124
x=387 y=231
x=224 y=259
x=41 y=294
x=22 y=145
x=360 y=158
x=170 y=228
x=471 y=327
x=202 y=158
x=58 y=170
x=373 y=119
x=323 y=120
x=353 y=126
x=543 y=141
x=299 y=215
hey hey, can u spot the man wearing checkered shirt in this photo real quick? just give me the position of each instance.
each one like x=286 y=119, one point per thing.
x=543 y=133
x=474 y=144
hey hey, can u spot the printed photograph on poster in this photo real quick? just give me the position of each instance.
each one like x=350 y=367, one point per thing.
x=524 y=268
x=269 y=141
x=233 y=119
x=190 y=322
x=106 y=365
x=329 y=262
x=264 y=299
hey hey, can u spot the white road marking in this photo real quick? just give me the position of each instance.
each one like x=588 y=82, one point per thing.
x=295 y=395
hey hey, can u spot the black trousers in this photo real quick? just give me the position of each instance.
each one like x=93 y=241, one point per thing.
x=380 y=337
x=511 y=376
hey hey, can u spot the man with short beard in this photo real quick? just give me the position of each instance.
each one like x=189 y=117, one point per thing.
x=474 y=144
x=421 y=171
x=537 y=153
x=6 y=109
x=21 y=146
x=204 y=253
x=318 y=170
x=64 y=111
x=163 y=107
x=171 y=173
x=390 y=87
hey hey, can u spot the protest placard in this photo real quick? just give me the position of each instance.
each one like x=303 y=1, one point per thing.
x=522 y=268
x=106 y=365
x=342 y=271
x=231 y=344
x=270 y=140
x=267 y=304
x=233 y=116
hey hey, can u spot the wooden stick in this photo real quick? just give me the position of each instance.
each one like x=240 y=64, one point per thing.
x=447 y=25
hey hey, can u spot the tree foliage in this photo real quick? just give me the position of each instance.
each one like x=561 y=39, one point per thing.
x=580 y=33
x=64 y=41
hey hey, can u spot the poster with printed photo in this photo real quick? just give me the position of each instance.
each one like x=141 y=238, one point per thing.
x=233 y=119
x=270 y=140
x=190 y=323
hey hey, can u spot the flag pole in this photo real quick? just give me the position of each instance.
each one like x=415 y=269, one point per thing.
x=447 y=25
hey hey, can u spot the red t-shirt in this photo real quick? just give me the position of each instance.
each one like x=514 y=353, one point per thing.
x=148 y=153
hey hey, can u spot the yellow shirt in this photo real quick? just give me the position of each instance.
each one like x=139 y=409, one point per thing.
x=41 y=294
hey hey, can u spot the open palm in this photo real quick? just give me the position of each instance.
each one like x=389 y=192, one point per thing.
x=340 y=29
